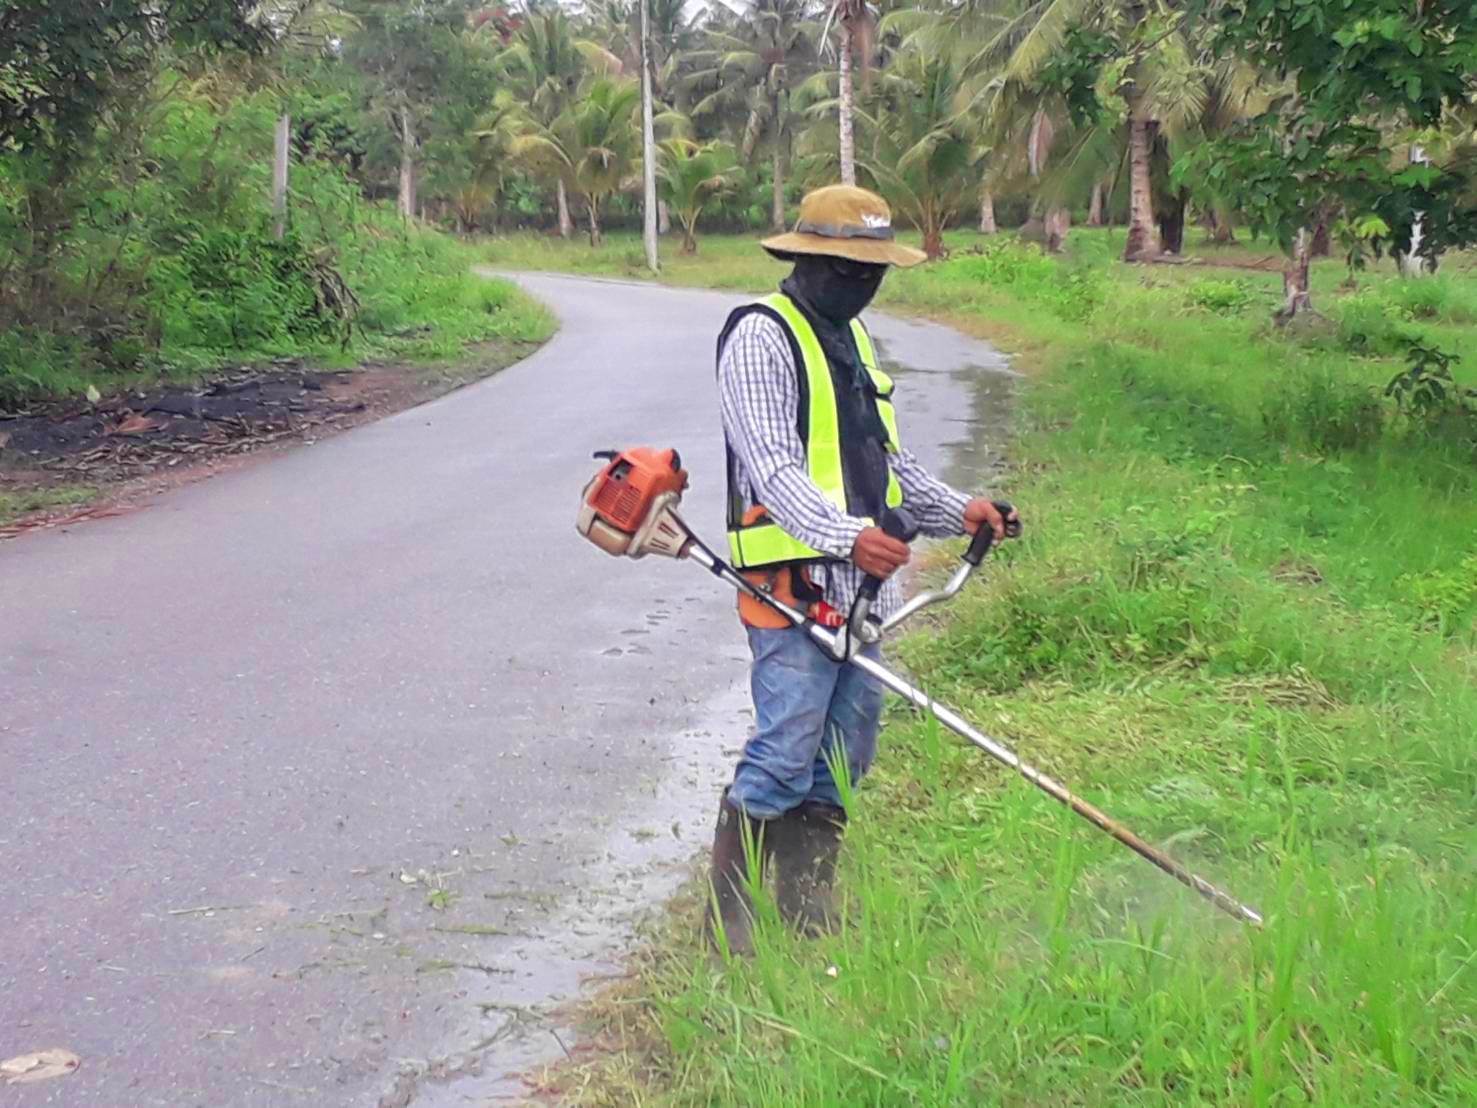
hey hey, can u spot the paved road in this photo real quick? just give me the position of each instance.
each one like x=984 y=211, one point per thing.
x=278 y=749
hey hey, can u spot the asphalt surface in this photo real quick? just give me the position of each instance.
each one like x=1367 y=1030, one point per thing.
x=325 y=777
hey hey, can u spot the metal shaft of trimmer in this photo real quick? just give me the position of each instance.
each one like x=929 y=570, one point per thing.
x=995 y=749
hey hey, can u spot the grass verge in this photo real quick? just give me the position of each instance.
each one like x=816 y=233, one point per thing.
x=1244 y=621
x=419 y=303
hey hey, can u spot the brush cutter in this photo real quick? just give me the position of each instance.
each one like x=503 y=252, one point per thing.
x=629 y=510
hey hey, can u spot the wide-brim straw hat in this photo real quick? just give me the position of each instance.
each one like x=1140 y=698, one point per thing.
x=842 y=221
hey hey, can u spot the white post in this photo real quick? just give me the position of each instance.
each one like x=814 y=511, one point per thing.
x=1412 y=264
x=648 y=151
x=280 y=155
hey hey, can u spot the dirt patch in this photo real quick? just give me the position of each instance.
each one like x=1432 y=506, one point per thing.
x=71 y=460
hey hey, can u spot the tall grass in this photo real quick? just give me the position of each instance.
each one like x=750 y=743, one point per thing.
x=1244 y=621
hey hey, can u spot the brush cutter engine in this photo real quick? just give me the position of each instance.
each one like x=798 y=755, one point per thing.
x=629 y=509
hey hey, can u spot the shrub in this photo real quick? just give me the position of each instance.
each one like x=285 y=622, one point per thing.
x=1220 y=296
x=1369 y=324
x=1317 y=409
x=1072 y=292
x=1432 y=298
x=230 y=289
x=1446 y=598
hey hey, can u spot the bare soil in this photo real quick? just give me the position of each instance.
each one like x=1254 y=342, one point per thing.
x=68 y=460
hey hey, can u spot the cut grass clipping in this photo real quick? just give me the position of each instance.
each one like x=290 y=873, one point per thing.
x=1241 y=621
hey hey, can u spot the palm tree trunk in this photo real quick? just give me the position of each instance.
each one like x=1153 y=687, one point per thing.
x=663 y=217
x=1095 y=207
x=280 y=152
x=1143 y=234
x=407 y=165
x=1296 y=290
x=933 y=239
x=1222 y=229
x=594 y=222
x=1056 y=225
x=777 y=215
x=848 y=141
x=987 y=212
x=566 y=224
x=1171 y=221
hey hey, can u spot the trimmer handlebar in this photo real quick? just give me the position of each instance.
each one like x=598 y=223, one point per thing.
x=979 y=546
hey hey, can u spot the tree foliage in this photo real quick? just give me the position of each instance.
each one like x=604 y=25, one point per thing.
x=62 y=65
x=1366 y=80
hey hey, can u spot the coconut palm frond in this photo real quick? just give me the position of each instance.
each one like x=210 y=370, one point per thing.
x=1045 y=36
x=599 y=59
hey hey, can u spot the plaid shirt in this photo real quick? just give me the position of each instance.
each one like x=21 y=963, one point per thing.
x=759 y=398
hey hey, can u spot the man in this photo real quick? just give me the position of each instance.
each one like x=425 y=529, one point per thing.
x=814 y=463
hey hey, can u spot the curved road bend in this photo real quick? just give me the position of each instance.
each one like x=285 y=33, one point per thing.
x=325 y=776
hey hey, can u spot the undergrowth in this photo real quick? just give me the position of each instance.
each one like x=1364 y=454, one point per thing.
x=1244 y=621
x=176 y=271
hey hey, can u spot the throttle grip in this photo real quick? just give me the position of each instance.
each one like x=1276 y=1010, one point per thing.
x=1013 y=527
x=984 y=538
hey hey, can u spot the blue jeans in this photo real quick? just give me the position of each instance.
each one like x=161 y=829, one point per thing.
x=804 y=705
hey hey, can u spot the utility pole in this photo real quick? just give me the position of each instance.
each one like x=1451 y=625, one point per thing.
x=648 y=149
x=280 y=154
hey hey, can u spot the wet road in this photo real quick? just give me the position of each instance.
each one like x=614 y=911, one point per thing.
x=323 y=777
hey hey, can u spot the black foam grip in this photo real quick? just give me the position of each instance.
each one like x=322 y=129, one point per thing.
x=980 y=545
x=899 y=523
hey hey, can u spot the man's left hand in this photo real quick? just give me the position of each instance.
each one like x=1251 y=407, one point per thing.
x=981 y=511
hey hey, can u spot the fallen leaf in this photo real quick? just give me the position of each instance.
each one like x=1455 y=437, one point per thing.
x=139 y=425
x=39 y=1066
x=93 y=396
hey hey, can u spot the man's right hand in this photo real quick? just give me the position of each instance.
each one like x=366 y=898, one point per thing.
x=879 y=554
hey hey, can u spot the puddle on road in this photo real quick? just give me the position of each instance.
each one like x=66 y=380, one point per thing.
x=643 y=864
x=956 y=416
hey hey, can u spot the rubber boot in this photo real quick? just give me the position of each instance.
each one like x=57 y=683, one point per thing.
x=806 y=844
x=728 y=881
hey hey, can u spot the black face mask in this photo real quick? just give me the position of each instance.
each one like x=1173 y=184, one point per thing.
x=835 y=288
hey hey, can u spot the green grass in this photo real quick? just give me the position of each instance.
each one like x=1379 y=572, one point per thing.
x=13 y=504
x=419 y=303
x=1244 y=621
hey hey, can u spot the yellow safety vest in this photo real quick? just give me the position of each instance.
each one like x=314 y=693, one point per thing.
x=766 y=543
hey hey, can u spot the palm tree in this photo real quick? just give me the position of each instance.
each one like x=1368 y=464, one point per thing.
x=691 y=175
x=1168 y=85
x=673 y=30
x=923 y=157
x=746 y=73
x=592 y=147
x=978 y=36
x=544 y=64
x=853 y=20
x=492 y=153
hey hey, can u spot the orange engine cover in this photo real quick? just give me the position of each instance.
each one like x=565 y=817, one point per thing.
x=623 y=493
